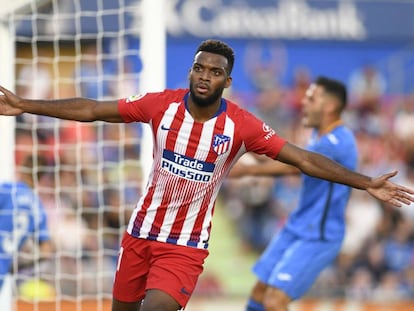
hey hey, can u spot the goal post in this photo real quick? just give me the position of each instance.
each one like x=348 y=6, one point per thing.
x=7 y=130
x=7 y=52
x=97 y=170
x=153 y=54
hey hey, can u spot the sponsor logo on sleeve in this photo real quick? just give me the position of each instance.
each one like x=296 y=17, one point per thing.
x=133 y=98
x=269 y=132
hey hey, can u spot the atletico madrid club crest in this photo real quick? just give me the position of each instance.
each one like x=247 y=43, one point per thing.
x=221 y=143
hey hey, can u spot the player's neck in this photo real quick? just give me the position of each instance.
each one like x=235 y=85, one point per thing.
x=330 y=126
x=203 y=113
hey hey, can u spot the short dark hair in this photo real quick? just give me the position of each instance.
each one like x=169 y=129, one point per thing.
x=218 y=47
x=335 y=88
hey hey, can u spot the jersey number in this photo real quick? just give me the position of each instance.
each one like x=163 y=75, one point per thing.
x=11 y=240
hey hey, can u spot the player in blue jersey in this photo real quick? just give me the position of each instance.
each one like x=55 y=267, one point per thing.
x=22 y=216
x=313 y=234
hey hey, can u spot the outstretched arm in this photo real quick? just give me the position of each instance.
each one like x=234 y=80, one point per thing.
x=317 y=165
x=267 y=167
x=79 y=109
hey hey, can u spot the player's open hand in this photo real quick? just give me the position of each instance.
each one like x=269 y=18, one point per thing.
x=390 y=193
x=8 y=103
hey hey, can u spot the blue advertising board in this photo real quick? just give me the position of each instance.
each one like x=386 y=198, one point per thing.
x=292 y=19
x=349 y=20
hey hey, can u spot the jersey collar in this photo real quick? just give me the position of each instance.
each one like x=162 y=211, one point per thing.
x=223 y=105
x=331 y=127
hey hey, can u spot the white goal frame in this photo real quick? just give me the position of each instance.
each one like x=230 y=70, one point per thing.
x=7 y=78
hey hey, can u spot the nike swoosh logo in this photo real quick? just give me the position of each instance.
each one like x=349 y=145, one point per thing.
x=185 y=292
x=164 y=128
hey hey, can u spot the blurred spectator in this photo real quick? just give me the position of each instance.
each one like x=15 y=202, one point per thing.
x=264 y=65
x=269 y=106
x=89 y=74
x=360 y=286
x=371 y=258
x=404 y=119
x=24 y=145
x=408 y=210
x=404 y=127
x=115 y=217
x=302 y=78
x=127 y=79
x=362 y=217
x=390 y=289
x=399 y=247
x=408 y=278
x=367 y=87
x=126 y=63
x=35 y=81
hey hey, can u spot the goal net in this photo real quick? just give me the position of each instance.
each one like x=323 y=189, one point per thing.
x=99 y=49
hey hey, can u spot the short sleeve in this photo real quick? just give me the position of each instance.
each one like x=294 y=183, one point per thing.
x=143 y=107
x=138 y=108
x=259 y=137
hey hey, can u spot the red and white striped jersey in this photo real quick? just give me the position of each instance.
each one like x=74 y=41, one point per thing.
x=191 y=160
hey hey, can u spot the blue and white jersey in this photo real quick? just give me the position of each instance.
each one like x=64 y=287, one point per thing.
x=22 y=215
x=321 y=210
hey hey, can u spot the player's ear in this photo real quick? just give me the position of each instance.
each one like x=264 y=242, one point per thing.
x=229 y=80
x=332 y=105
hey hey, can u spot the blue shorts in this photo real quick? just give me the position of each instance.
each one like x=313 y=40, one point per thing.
x=292 y=264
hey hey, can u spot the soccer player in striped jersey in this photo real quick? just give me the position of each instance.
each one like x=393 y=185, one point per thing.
x=198 y=136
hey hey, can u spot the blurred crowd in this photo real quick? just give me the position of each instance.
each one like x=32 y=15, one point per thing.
x=93 y=181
